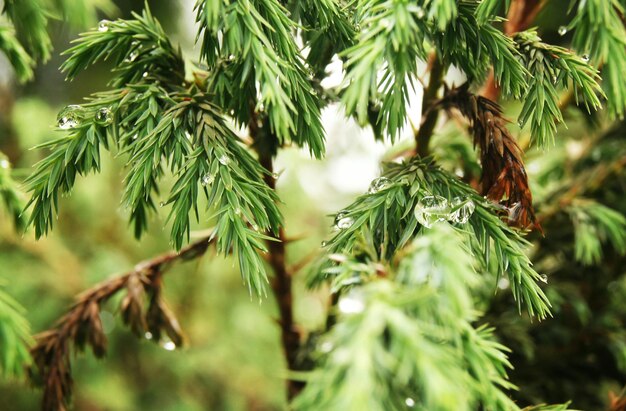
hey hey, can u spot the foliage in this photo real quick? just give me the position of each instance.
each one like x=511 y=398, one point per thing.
x=14 y=336
x=407 y=340
x=451 y=270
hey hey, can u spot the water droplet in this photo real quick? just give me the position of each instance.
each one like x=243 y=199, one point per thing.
x=430 y=210
x=275 y=176
x=513 y=211
x=162 y=204
x=378 y=184
x=503 y=283
x=104 y=116
x=104 y=25
x=344 y=223
x=132 y=56
x=224 y=160
x=520 y=123
x=70 y=116
x=207 y=179
x=352 y=303
x=419 y=12
x=237 y=211
x=169 y=345
x=148 y=335
x=462 y=210
x=585 y=58
x=136 y=136
x=544 y=278
x=145 y=74
x=4 y=163
x=326 y=347
x=324 y=244
x=562 y=30
x=410 y=402
x=255 y=227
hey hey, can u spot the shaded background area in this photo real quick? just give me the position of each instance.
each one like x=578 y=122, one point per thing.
x=233 y=359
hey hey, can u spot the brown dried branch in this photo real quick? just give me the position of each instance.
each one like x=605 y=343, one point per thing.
x=504 y=177
x=81 y=325
x=617 y=402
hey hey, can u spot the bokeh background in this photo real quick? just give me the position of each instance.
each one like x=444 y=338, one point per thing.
x=233 y=359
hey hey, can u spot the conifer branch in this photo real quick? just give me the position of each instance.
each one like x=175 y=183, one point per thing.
x=503 y=175
x=553 y=68
x=497 y=247
x=393 y=345
x=17 y=56
x=15 y=336
x=81 y=326
x=599 y=33
x=10 y=196
x=519 y=17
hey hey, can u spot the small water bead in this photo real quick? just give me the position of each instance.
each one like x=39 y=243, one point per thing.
x=544 y=278
x=104 y=116
x=562 y=30
x=145 y=74
x=169 y=345
x=148 y=335
x=344 y=223
x=132 y=56
x=224 y=160
x=585 y=58
x=326 y=347
x=104 y=25
x=419 y=12
x=162 y=204
x=255 y=227
x=503 y=283
x=324 y=244
x=70 y=117
x=4 y=163
x=275 y=176
x=352 y=303
x=430 y=210
x=379 y=184
x=410 y=402
x=462 y=210
x=207 y=179
x=237 y=211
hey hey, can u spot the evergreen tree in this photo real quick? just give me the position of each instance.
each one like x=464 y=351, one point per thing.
x=448 y=240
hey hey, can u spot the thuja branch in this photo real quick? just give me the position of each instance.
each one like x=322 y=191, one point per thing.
x=81 y=325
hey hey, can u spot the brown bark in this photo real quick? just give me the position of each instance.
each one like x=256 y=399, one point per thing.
x=429 y=114
x=266 y=145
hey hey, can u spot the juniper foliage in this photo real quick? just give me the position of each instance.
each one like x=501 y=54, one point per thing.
x=414 y=263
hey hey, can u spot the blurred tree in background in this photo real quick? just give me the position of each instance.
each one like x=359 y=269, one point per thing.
x=481 y=267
